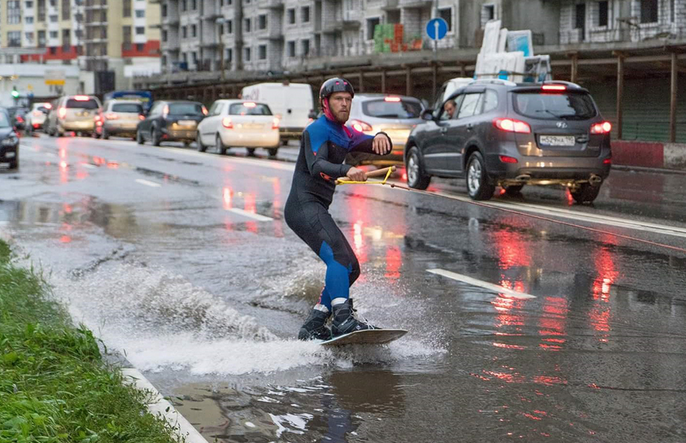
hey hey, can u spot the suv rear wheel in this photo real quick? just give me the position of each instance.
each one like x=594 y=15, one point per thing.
x=198 y=143
x=416 y=178
x=478 y=186
x=585 y=193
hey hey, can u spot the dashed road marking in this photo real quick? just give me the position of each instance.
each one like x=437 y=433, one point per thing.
x=252 y=215
x=482 y=284
x=148 y=183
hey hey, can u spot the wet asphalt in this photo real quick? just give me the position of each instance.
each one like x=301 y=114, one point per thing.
x=181 y=263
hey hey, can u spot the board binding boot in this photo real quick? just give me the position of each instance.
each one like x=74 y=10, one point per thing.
x=345 y=320
x=315 y=327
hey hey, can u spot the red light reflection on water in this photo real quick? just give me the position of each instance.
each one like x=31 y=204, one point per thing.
x=393 y=262
x=600 y=313
x=227 y=197
x=553 y=324
x=512 y=250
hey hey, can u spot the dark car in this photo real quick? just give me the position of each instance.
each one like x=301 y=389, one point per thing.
x=18 y=116
x=511 y=135
x=171 y=121
x=9 y=141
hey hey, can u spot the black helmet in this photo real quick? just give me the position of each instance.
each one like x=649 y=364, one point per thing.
x=336 y=84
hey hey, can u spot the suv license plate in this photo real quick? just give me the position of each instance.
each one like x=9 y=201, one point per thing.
x=557 y=140
x=186 y=122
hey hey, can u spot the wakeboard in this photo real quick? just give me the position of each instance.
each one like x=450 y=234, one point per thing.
x=366 y=337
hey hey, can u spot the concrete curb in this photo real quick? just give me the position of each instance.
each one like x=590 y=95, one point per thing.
x=653 y=170
x=160 y=406
x=670 y=156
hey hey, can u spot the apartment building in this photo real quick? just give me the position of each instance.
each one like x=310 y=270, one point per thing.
x=113 y=40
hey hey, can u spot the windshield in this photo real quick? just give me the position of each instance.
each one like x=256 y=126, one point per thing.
x=568 y=106
x=127 y=107
x=4 y=120
x=249 y=109
x=392 y=109
x=81 y=104
x=185 y=109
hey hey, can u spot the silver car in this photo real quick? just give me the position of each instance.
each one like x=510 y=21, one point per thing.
x=396 y=115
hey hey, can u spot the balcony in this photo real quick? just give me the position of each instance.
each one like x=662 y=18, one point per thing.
x=271 y=33
x=390 y=5
x=270 y=4
x=352 y=19
x=415 y=4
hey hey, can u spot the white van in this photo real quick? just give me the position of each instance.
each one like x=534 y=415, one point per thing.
x=292 y=103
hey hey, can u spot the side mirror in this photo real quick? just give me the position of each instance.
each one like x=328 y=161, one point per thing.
x=427 y=115
x=312 y=115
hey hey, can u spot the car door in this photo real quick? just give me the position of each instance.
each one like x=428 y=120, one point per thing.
x=462 y=128
x=209 y=125
x=144 y=126
x=437 y=150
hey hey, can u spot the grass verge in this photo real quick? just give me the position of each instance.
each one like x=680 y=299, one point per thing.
x=54 y=384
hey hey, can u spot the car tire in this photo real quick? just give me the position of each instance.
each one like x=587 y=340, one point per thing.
x=14 y=164
x=272 y=151
x=251 y=151
x=139 y=137
x=476 y=178
x=416 y=177
x=221 y=147
x=198 y=143
x=154 y=136
x=512 y=190
x=105 y=135
x=585 y=193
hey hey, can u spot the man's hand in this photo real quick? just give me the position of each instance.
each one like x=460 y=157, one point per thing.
x=381 y=145
x=357 y=175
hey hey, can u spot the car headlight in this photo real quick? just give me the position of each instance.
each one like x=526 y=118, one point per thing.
x=10 y=141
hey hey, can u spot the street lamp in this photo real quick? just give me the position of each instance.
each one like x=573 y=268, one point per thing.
x=220 y=41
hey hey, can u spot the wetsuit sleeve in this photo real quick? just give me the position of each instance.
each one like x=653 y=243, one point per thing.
x=363 y=142
x=318 y=158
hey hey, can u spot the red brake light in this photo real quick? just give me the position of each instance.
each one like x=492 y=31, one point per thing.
x=601 y=128
x=507 y=159
x=141 y=117
x=204 y=110
x=227 y=123
x=360 y=126
x=392 y=99
x=275 y=123
x=554 y=88
x=607 y=161
x=249 y=104
x=81 y=98
x=20 y=119
x=511 y=125
x=62 y=112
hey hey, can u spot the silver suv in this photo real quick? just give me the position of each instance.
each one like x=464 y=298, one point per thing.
x=511 y=135
x=73 y=113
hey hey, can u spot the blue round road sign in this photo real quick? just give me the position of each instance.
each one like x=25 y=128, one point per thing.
x=436 y=28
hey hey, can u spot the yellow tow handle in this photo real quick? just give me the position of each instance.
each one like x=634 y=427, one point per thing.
x=378 y=173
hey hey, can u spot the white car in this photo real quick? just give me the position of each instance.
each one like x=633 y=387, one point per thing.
x=36 y=117
x=239 y=123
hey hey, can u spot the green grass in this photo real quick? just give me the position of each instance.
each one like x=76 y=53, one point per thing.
x=54 y=385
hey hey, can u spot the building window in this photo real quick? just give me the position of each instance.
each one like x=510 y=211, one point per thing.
x=53 y=19
x=184 y=32
x=447 y=15
x=194 y=4
x=53 y=50
x=194 y=30
x=164 y=10
x=247 y=24
x=195 y=58
x=164 y=35
x=53 y=34
x=602 y=13
x=41 y=39
x=371 y=25
x=246 y=54
x=13 y=13
x=164 y=61
x=305 y=47
x=649 y=11
x=66 y=40
x=672 y=11
x=126 y=38
x=14 y=39
x=580 y=18
x=28 y=20
x=291 y=16
x=126 y=5
x=29 y=36
x=262 y=52
x=140 y=13
x=28 y=4
x=229 y=55
x=140 y=47
x=229 y=27
x=305 y=14
x=140 y=30
x=262 y=21
x=290 y=49
x=487 y=14
x=184 y=5
x=66 y=10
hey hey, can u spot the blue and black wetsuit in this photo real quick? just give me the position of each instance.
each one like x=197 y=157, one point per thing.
x=323 y=148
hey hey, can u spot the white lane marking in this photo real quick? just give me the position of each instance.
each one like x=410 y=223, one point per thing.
x=252 y=215
x=88 y=165
x=49 y=154
x=147 y=183
x=481 y=284
x=594 y=218
x=160 y=406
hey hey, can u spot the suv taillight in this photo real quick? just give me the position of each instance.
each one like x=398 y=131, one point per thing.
x=62 y=112
x=275 y=123
x=360 y=126
x=227 y=123
x=601 y=128
x=512 y=125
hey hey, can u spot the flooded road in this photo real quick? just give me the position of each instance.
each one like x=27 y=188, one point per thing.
x=181 y=262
